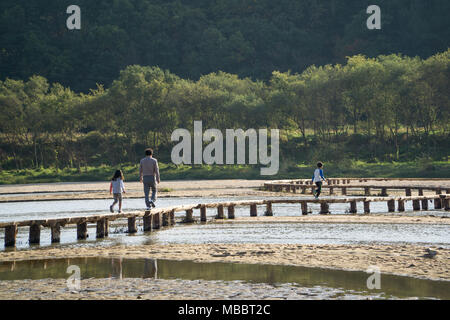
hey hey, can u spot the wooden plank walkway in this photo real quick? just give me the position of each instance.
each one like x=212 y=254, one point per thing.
x=161 y=217
x=345 y=184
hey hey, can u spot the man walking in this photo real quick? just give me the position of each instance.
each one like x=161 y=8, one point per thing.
x=149 y=176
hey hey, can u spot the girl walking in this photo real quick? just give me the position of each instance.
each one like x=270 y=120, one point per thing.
x=116 y=188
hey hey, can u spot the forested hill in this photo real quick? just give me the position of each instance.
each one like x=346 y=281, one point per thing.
x=192 y=38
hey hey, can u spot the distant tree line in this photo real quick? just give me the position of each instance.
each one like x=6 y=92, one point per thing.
x=386 y=108
x=250 y=38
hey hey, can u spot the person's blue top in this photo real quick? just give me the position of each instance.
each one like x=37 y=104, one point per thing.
x=318 y=175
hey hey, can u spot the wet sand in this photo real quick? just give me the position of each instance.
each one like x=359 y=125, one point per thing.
x=345 y=218
x=158 y=289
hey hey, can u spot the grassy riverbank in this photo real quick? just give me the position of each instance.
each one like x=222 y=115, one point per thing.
x=416 y=169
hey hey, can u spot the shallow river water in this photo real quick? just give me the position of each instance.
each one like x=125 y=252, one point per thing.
x=274 y=233
x=286 y=281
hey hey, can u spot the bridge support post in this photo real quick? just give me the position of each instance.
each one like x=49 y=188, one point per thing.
x=437 y=201
x=132 y=225
x=100 y=229
x=367 y=191
x=424 y=204
x=106 y=227
x=437 y=204
x=231 y=212
x=220 y=214
x=165 y=219
x=303 y=190
x=172 y=217
x=324 y=208
x=401 y=205
x=445 y=203
x=391 y=205
x=269 y=211
x=147 y=221
x=304 y=208
x=82 y=233
x=384 y=192
x=10 y=235
x=344 y=191
x=416 y=205
x=253 y=210
x=353 y=208
x=55 y=233
x=189 y=218
x=35 y=234
x=203 y=214
x=366 y=206
x=331 y=190
x=156 y=221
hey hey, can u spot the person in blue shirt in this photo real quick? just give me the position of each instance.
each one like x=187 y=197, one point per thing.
x=317 y=179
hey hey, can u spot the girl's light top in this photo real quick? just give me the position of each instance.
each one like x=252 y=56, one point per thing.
x=117 y=186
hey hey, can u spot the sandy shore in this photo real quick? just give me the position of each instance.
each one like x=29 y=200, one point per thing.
x=160 y=289
x=100 y=190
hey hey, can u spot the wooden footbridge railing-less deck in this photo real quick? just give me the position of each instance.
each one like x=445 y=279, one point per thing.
x=344 y=184
x=161 y=217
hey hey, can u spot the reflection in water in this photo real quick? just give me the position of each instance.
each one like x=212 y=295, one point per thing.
x=119 y=268
x=116 y=267
x=150 y=268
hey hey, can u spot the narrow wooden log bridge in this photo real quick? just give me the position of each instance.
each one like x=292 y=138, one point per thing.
x=164 y=217
x=306 y=186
